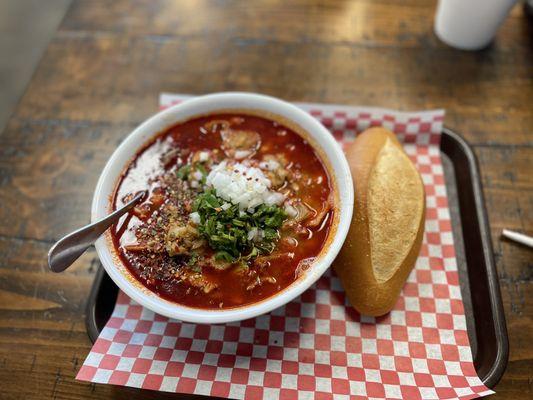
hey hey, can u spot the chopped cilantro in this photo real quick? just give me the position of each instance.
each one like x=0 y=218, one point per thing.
x=193 y=259
x=226 y=231
x=186 y=170
x=183 y=172
x=203 y=171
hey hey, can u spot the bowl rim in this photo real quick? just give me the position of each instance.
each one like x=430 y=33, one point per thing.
x=209 y=104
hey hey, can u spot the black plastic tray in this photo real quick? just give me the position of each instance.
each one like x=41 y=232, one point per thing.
x=477 y=271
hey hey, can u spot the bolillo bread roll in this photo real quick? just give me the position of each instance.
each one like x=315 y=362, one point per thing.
x=387 y=225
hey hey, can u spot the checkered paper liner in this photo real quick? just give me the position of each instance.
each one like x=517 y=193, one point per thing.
x=317 y=346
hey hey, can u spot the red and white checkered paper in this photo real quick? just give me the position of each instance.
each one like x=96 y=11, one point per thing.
x=317 y=346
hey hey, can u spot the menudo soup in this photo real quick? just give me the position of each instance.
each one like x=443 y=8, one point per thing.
x=238 y=207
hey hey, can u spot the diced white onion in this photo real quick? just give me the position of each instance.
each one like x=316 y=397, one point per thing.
x=252 y=233
x=197 y=175
x=290 y=210
x=195 y=218
x=256 y=234
x=243 y=185
x=274 y=198
x=203 y=156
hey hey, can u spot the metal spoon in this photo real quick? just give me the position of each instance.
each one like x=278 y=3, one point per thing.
x=69 y=248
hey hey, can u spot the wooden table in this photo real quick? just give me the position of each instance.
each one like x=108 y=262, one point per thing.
x=102 y=74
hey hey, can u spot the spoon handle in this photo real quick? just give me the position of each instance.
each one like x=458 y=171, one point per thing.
x=72 y=246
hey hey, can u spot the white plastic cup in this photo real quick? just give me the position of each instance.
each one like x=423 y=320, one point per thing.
x=470 y=24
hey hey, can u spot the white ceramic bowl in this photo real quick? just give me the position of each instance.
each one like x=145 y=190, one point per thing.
x=329 y=150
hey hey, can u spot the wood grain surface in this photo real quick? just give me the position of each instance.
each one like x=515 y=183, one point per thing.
x=103 y=71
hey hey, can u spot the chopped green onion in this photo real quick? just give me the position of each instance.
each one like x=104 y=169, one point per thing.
x=226 y=231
